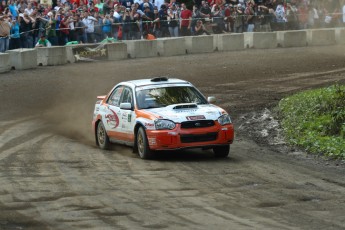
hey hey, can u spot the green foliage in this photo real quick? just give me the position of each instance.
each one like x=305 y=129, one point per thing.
x=315 y=120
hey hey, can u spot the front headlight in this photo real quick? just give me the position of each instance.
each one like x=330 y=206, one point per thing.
x=224 y=119
x=164 y=124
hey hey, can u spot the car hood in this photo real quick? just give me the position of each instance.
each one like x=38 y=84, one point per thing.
x=187 y=112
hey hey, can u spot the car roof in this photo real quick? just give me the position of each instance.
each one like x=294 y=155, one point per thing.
x=157 y=81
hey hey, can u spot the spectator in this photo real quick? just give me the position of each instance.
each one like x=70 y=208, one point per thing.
x=13 y=9
x=249 y=16
x=280 y=16
x=43 y=42
x=26 y=30
x=106 y=28
x=186 y=21
x=80 y=30
x=135 y=24
x=15 y=35
x=159 y=3
x=163 y=18
x=145 y=4
x=28 y=10
x=147 y=19
x=200 y=28
x=89 y=23
x=5 y=30
x=227 y=12
x=205 y=12
x=238 y=19
x=291 y=17
x=265 y=19
x=99 y=7
x=156 y=23
x=303 y=17
x=173 y=21
x=117 y=19
x=127 y=3
x=127 y=20
x=148 y=36
x=98 y=27
x=50 y=29
x=218 y=20
x=64 y=29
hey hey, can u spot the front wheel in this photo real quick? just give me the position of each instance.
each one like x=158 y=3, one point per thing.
x=221 y=151
x=142 y=144
x=102 y=137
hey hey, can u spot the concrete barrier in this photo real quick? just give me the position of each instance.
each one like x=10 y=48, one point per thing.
x=199 y=44
x=55 y=55
x=21 y=59
x=171 y=46
x=321 y=37
x=260 y=40
x=4 y=62
x=116 y=51
x=293 y=38
x=141 y=48
x=230 y=42
x=340 y=36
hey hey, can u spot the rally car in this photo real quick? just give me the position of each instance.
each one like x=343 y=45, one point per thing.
x=161 y=114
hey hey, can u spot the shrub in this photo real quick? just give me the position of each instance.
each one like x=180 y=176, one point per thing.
x=315 y=120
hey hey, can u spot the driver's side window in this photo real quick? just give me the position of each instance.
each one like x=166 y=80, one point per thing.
x=115 y=96
x=127 y=96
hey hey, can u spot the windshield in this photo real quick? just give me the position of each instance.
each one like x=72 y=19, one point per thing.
x=161 y=97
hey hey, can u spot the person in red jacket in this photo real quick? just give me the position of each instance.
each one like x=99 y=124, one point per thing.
x=186 y=21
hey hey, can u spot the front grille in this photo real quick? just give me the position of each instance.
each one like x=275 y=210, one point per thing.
x=197 y=124
x=190 y=138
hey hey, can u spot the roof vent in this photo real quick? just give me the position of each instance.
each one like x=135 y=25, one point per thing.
x=158 y=79
x=186 y=106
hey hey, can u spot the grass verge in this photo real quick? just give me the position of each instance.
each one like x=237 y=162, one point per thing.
x=315 y=120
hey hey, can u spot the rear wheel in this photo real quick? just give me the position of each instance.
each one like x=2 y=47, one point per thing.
x=142 y=144
x=102 y=137
x=221 y=151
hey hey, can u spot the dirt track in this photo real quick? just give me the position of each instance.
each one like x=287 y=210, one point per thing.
x=53 y=177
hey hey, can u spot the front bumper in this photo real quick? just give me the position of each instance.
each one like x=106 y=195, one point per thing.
x=190 y=138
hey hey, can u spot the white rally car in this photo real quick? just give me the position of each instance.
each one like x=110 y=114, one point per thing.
x=161 y=114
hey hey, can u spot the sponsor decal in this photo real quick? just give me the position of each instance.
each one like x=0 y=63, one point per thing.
x=149 y=125
x=124 y=116
x=194 y=118
x=152 y=141
x=186 y=111
x=90 y=52
x=112 y=119
x=129 y=117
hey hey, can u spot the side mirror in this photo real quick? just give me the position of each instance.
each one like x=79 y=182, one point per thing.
x=126 y=106
x=211 y=100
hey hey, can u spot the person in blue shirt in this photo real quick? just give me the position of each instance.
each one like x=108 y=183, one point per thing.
x=13 y=9
x=106 y=28
x=15 y=35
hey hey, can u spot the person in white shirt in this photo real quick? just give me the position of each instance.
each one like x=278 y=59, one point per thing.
x=29 y=9
x=89 y=23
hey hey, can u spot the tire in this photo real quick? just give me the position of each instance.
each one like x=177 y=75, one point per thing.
x=102 y=136
x=143 y=145
x=221 y=151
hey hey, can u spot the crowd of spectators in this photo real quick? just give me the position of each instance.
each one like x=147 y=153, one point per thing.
x=23 y=23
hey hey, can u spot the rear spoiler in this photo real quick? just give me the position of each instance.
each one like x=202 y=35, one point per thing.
x=101 y=97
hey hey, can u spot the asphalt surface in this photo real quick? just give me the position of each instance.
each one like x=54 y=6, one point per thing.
x=52 y=175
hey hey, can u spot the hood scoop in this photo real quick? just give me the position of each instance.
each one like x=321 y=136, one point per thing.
x=186 y=106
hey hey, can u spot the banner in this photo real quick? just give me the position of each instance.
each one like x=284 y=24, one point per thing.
x=90 y=52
